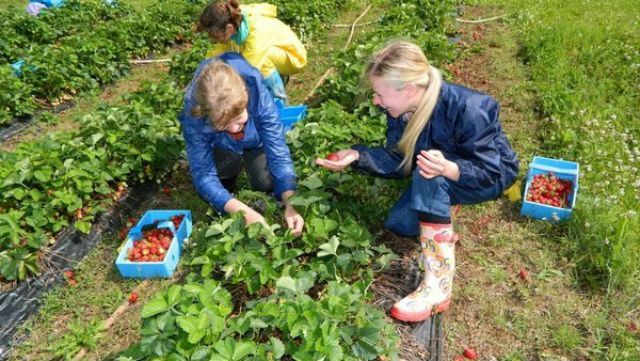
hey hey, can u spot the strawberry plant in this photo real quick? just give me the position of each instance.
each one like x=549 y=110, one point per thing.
x=82 y=62
x=68 y=177
x=16 y=98
x=21 y=30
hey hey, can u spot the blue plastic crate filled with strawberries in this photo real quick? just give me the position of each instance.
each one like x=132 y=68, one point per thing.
x=551 y=190
x=154 y=245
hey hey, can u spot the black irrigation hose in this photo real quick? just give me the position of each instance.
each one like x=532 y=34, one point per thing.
x=19 y=303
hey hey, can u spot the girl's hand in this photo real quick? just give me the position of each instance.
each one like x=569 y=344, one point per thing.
x=345 y=158
x=251 y=216
x=294 y=220
x=432 y=163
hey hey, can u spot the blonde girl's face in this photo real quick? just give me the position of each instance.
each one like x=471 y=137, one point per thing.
x=237 y=125
x=393 y=101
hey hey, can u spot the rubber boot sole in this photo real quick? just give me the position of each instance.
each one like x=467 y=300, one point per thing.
x=404 y=316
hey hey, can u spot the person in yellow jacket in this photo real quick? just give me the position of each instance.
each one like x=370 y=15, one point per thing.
x=254 y=31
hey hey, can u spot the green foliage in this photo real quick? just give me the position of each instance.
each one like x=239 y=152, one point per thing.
x=21 y=30
x=586 y=72
x=15 y=96
x=85 y=61
x=308 y=18
x=424 y=22
x=80 y=336
x=47 y=181
x=184 y=64
x=308 y=294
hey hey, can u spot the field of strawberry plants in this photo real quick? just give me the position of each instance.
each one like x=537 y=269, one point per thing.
x=526 y=289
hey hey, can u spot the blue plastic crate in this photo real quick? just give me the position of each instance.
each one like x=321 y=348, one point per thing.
x=562 y=169
x=159 y=215
x=165 y=268
x=161 y=219
x=291 y=115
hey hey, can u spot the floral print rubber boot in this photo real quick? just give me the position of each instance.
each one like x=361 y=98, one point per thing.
x=434 y=292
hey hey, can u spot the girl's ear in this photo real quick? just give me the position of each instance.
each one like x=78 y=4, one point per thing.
x=410 y=90
x=230 y=29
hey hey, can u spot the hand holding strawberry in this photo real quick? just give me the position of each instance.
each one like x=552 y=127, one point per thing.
x=339 y=160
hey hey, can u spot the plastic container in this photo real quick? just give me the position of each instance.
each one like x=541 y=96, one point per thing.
x=52 y=3
x=17 y=67
x=154 y=216
x=155 y=219
x=291 y=115
x=562 y=169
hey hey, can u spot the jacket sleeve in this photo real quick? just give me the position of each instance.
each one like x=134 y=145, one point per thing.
x=477 y=155
x=271 y=132
x=202 y=164
x=382 y=161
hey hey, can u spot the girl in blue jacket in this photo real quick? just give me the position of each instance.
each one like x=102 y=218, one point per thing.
x=449 y=140
x=229 y=120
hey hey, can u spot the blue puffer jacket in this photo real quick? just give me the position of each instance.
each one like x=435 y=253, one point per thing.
x=465 y=127
x=263 y=129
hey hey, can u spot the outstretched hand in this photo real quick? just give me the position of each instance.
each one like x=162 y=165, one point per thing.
x=345 y=158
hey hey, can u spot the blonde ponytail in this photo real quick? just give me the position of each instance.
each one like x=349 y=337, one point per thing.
x=401 y=63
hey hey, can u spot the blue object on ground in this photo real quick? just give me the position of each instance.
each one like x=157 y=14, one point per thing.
x=562 y=169
x=155 y=219
x=291 y=115
x=17 y=67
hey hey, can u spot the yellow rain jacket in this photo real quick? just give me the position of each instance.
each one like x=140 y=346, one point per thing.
x=271 y=44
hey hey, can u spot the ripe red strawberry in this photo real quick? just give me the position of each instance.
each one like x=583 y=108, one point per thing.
x=470 y=353
x=632 y=327
x=133 y=297
x=69 y=274
x=523 y=274
x=333 y=157
x=166 y=190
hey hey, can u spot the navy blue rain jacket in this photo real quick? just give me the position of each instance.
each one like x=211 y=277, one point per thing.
x=465 y=127
x=263 y=129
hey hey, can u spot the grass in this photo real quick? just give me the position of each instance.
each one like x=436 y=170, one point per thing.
x=550 y=65
x=586 y=72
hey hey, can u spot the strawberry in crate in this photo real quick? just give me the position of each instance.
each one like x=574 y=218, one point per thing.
x=152 y=247
x=548 y=189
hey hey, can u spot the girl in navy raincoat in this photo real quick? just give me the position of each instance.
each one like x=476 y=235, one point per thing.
x=230 y=120
x=449 y=140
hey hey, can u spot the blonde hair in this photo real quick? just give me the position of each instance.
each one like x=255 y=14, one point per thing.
x=220 y=94
x=401 y=63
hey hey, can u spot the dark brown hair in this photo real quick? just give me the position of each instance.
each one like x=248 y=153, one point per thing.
x=218 y=14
